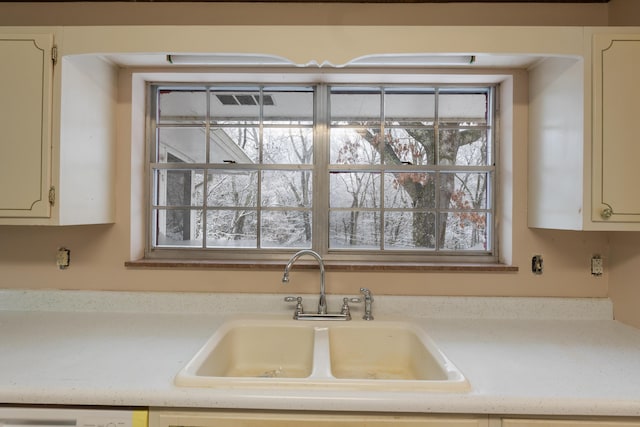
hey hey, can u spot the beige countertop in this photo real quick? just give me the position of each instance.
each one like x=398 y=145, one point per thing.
x=533 y=356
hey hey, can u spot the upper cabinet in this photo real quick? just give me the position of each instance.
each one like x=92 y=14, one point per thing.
x=57 y=147
x=616 y=139
x=25 y=119
x=583 y=138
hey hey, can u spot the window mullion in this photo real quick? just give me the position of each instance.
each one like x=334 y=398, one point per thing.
x=205 y=171
x=152 y=158
x=492 y=192
x=383 y=165
x=260 y=168
x=436 y=156
x=321 y=158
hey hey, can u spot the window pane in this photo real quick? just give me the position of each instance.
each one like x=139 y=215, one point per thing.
x=178 y=187
x=287 y=189
x=470 y=108
x=181 y=105
x=355 y=146
x=232 y=188
x=409 y=108
x=288 y=105
x=235 y=105
x=355 y=119
x=177 y=227
x=410 y=146
x=464 y=191
x=234 y=145
x=288 y=145
x=465 y=231
x=181 y=145
x=410 y=190
x=354 y=230
x=354 y=190
x=354 y=105
x=410 y=230
x=466 y=146
x=286 y=229
x=235 y=228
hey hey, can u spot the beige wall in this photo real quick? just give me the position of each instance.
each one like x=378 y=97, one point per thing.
x=27 y=254
x=624 y=12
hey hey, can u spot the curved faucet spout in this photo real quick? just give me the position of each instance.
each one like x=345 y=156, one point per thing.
x=322 y=304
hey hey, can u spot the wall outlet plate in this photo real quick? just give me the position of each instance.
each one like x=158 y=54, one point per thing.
x=536 y=264
x=63 y=258
x=597 y=266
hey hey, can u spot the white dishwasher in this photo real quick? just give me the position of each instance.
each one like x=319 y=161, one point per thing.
x=19 y=416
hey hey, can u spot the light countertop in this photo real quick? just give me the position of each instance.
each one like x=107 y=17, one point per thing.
x=533 y=356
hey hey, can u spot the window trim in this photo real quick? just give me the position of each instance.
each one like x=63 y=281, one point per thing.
x=427 y=257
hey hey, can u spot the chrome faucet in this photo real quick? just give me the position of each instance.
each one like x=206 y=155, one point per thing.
x=322 y=304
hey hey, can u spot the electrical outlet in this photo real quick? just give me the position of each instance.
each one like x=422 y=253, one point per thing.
x=597 y=267
x=63 y=258
x=536 y=264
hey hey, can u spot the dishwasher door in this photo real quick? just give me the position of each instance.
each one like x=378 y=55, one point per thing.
x=71 y=417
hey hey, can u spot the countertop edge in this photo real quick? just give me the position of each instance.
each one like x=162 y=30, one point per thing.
x=228 y=304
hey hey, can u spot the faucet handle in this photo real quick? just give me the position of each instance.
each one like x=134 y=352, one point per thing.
x=298 y=300
x=345 y=305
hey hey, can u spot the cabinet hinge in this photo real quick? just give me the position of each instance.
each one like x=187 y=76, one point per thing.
x=52 y=195
x=54 y=55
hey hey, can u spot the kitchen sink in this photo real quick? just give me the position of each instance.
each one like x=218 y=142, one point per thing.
x=389 y=351
x=258 y=350
x=357 y=355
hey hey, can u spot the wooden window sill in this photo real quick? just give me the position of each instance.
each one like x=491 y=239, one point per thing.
x=329 y=265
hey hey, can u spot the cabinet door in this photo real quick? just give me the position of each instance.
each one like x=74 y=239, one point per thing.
x=616 y=131
x=222 y=418
x=25 y=123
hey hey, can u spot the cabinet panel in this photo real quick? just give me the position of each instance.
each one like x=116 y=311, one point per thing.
x=616 y=139
x=308 y=419
x=569 y=423
x=25 y=108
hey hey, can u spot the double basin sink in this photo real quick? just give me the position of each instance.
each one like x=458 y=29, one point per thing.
x=358 y=355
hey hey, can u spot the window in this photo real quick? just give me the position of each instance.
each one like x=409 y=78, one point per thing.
x=393 y=172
